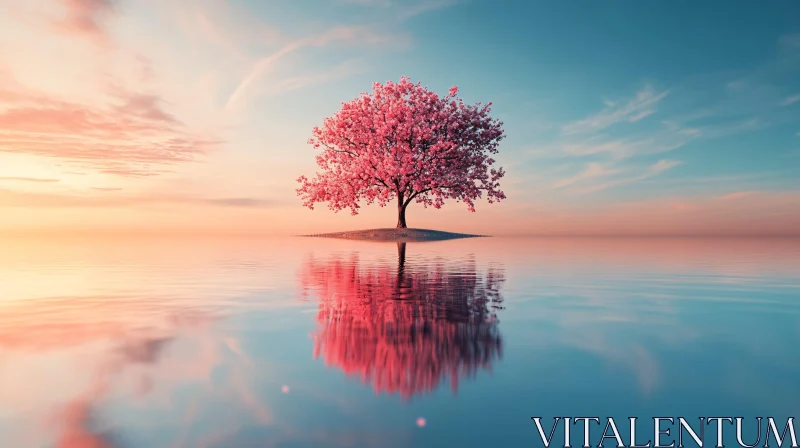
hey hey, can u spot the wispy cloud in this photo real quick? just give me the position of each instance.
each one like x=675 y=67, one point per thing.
x=651 y=171
x=700 y=108
x=736 y=85
x=410 y=12
x=86 y=17
x=241 y=202
x=227 y=26
x=14 y=198
x=131 y=136
x=720 y=180
x=592 y=170
x=369 y=2
x=340 y=34
x=737 y=195
x=640 y=115
x=406 y=10
x=661 y=166
x=299 y=82
x=632 y=110
x=622 y=148
x=790 y=41
x=790 y=100
x=27 y=179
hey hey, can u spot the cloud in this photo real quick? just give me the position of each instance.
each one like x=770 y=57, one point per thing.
x=423 y=7
x=632 y=110
x=77 y=420
x=232 y=28
x=146 y=107
x=640 y=115
x=699 y=108
x=737 y=195
x=736 y=85
x=790 y=100
x=144 y=351
x=27 y=179
x=405 y=11
x=14 y=198
x=661 y=166
x=106 y=189
x=646 y=144
x=651 y=171
x=299 y=82
x=86 y=17
x=369 y=2
x=125 y=172
x=790 y=41
x=131 y=136
x=349 y=34
x=240 y=202
x=592 y=170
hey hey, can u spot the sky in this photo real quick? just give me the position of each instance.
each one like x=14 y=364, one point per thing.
x=193 y=116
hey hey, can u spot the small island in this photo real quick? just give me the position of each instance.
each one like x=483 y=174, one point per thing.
x=397 y=235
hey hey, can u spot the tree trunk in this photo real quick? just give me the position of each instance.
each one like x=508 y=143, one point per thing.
x=401 y=213
x=403 y=289
x=401 y=259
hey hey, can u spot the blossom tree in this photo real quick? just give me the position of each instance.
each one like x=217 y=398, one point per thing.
x=405 y=143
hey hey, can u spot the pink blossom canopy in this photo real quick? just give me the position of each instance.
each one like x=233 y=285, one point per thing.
x=404 y=141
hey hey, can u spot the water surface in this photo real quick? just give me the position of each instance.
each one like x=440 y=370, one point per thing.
x=295 y=342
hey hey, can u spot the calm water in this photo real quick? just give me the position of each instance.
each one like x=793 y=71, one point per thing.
x=307 y=342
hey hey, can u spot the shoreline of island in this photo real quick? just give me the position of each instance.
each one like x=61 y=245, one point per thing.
x=395 y=235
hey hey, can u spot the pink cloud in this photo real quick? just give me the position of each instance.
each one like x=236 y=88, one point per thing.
x=131 y=136
x=77 y=429
x=27 y=179
x=86 y=16
x=12 y=198
x=737 y=195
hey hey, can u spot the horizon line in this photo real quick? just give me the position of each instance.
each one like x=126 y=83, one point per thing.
x=201 y=233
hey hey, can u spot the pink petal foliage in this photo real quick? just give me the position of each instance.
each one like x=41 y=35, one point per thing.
x=406 y=142
x=407 y=330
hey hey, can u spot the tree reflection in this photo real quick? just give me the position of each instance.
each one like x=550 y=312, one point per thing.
x=406 y=329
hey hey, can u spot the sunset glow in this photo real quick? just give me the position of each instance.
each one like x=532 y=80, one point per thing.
x=193 y=116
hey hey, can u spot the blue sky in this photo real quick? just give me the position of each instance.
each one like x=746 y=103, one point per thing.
x=610 y=108
x=728 y=73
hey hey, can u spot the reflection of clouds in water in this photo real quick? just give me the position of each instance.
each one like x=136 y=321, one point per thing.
x=140 y=360
x=152 y=356
x=654 y=324
x=78 y=428
x=614 y=323
x=405 y=327
x=316 y=437
x=144 y=351
x=146 y=357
